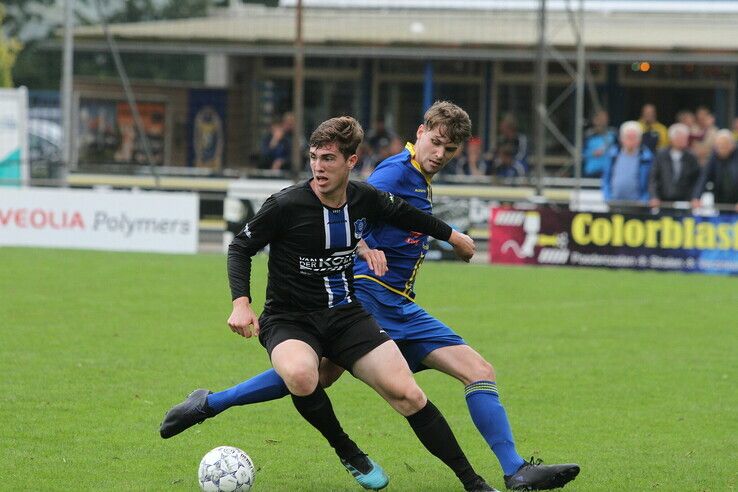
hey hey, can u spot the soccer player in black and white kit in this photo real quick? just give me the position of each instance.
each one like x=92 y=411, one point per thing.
x=313 y=229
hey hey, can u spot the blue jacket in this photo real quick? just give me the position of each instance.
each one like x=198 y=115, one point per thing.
x=594 y=165
x=646 y=160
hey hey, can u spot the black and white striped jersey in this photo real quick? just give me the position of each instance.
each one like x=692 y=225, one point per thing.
x=312 y=246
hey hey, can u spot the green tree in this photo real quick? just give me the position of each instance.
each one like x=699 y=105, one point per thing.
x=20 y=13
x=39 y=67
x=9 y=49
x=143 y=10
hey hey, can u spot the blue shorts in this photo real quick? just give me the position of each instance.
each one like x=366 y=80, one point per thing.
x=416 y=332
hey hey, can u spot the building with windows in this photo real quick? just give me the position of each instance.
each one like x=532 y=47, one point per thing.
x=386 y=60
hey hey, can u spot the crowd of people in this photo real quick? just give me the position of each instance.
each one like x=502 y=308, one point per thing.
x=508 y=160
x=643 y=161
x=649 y=163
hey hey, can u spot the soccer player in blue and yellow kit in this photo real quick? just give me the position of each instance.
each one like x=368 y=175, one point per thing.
x=384 y=276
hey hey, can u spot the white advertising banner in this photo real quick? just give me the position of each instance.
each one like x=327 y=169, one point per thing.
x=108 y=220
x=13 y=137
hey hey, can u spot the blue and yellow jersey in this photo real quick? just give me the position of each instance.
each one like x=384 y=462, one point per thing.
x=402 y=176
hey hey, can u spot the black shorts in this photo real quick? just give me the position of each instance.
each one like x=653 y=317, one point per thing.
x=343 y=334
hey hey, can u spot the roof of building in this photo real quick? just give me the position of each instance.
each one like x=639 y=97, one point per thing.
x=424 y=32
x=718 y=6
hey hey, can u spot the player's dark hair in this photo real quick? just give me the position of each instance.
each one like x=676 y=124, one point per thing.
x=453 y=122
x=344 y=131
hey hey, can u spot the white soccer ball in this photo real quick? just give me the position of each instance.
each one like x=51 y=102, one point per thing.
x=226 y=469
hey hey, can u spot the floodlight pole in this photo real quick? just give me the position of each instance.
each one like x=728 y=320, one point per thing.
x=579 y=119
x=298 y=97
x=539 y=98
x=67 y=88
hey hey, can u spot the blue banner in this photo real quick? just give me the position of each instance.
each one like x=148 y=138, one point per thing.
x=206 y=126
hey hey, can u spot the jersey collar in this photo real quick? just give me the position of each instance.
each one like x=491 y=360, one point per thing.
x=411 y=148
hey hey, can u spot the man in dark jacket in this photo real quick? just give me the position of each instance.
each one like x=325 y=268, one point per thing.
x=721 y=171
x=675 y=171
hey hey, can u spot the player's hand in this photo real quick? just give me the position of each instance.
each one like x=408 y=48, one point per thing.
x=464 y=246
x=654 y=203
x=696 y=203
x=374 y=258
x=243 y=319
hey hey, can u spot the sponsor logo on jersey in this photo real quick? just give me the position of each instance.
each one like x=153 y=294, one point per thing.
x=359 y=228
x=336 y=263
x=414 y=238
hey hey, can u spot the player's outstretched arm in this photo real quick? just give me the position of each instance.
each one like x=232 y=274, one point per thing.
x=243 y=319
x=464 y=246
x=374 y=258
x=399 y=213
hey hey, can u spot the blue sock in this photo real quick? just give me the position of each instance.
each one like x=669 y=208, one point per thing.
x=490 y=418
x=264 y=387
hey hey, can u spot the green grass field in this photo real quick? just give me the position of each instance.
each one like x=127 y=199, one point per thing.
x=633 y=375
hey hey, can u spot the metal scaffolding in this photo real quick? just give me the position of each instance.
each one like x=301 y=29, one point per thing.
x=544 y=124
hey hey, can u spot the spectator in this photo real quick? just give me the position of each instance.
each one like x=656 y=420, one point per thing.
x=387 y=147
x=276 y=146
x=379 y=136
x=625 y=177
x=705 y=135
x=655 y=136
x=597 y=143
x=735 y=128
x=366 y=161
x=686 y=117
x=675 y=170
x=721 y=171
x=510 y=135
x=506 y=164
x=396 y=145
x=472 y=162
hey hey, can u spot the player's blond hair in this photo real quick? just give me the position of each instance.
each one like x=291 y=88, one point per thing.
x=453 y=122
x=344 y=131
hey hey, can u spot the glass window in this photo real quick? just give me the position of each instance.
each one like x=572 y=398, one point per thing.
x=146 y=66
x=518 y=100
x=311 y=62
x=466 y=96
x=641 y=70
x=334 y=63
x=401 y=104
x=554 y=68
x=458 y=67
x=323 y=99
x=277 y=61
x=401 y=66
